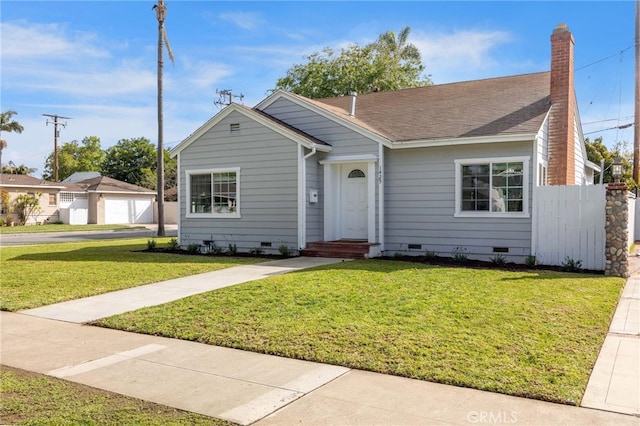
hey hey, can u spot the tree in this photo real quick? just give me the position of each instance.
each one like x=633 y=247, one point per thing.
x=126 y=160
x=26 y=205
x=597 y=151
x=389 y=63
x=18 y=170
x=8 y=125
x=76 y=157
x=149 y=176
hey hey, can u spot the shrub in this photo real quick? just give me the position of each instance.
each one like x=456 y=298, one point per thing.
x=531 y=261
x=233 y=249
x=499 y=260
x=193 y=248
x=173 y=244
x=571 y=265
x=430 y=254
x=215 y=249
x=26 y=205
x=285 y=250
x=459 y=254
x=151 y=244
x=256 y=251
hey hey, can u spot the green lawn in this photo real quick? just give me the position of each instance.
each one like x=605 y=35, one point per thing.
x=40 y=275
x=32 y=229
x=533 y=334
x=34 y=399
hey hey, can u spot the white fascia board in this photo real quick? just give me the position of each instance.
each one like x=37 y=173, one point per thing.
x=344 y=159
x=9 y=185
x=299 y=100
x=253 y=116
x=121 y=192
x=522 y=137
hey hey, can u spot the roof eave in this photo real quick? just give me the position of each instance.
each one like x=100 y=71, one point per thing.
x=302 y=101
x=420 y=143
x=10 y=185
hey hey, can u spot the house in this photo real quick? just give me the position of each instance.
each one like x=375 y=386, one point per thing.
x=80 y=200
x=13 y=185
x=442 y=169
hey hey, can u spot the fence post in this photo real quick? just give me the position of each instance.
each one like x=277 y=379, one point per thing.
x=616 y=230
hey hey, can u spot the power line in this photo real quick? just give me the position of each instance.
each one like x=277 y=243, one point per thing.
x=604 y=59
x=622 y=126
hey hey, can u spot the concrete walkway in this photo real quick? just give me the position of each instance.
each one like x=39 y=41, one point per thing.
x=247 y=388
x=614 y=384
x=118 y=302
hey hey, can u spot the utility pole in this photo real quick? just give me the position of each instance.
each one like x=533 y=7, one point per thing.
x=56 y=134
x=226 y=97
x=163 y=40
x=636 y=124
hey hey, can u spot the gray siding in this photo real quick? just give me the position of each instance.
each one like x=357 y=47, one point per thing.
x=315 y=211
x=420 y=205
x=268 y=186
x=342 y=140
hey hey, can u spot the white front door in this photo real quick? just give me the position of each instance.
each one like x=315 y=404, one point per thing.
x=354 y=201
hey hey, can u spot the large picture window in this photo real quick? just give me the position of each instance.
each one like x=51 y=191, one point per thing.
x=492 y=187
x=213 y=193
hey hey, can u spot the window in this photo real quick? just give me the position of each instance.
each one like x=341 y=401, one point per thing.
x=213 y=193
x=356 y=173
x=490 y=187
x=52 y=199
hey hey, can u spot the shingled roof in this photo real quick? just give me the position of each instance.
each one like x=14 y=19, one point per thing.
x=495 y=106
x=15 y=180
x=107 y=184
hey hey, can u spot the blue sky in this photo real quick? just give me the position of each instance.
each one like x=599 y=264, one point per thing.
x=95 y=61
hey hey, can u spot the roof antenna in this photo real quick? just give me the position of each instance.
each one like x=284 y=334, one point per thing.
x=354 y=95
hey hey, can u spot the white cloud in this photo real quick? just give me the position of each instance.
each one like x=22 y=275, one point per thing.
x=244 y=20
x=27 y=40
x=460 y=55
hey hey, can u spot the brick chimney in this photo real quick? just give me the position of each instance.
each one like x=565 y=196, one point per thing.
x=563 y=109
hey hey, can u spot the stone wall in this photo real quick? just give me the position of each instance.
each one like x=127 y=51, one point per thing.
x=616 y=229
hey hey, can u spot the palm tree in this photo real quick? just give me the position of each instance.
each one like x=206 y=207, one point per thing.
x=161 y=11
x=405 y=59
x=8 y=125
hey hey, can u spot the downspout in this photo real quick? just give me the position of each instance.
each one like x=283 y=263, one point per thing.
x=381 y=197
x=302 y=197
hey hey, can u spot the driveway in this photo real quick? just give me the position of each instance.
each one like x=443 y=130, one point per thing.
x=62 y=237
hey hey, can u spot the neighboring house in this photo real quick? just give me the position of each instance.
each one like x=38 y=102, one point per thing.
x=439 y=169
x=48 y=197
x=97 y=200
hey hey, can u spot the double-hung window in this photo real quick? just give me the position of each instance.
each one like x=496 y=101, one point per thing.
x=492 y=187
x=213 y=193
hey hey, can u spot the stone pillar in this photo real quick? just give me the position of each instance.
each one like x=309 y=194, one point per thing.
x=617 y=230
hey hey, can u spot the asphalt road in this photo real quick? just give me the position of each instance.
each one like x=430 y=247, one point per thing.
x=61 y=237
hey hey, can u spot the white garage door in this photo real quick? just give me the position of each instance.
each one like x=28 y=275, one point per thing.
x=127 y=210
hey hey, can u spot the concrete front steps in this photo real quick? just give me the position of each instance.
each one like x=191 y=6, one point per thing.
x=349 y=249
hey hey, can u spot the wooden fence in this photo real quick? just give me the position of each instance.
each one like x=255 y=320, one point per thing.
x=568 y=223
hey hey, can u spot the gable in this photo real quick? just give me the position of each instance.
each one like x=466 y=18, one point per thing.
x=281 y=128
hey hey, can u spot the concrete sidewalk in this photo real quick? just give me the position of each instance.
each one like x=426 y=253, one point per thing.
x=614 y=384
x=246 y=387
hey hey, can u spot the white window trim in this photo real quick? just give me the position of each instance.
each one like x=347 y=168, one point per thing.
x=234 y=215
x=483 y=214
